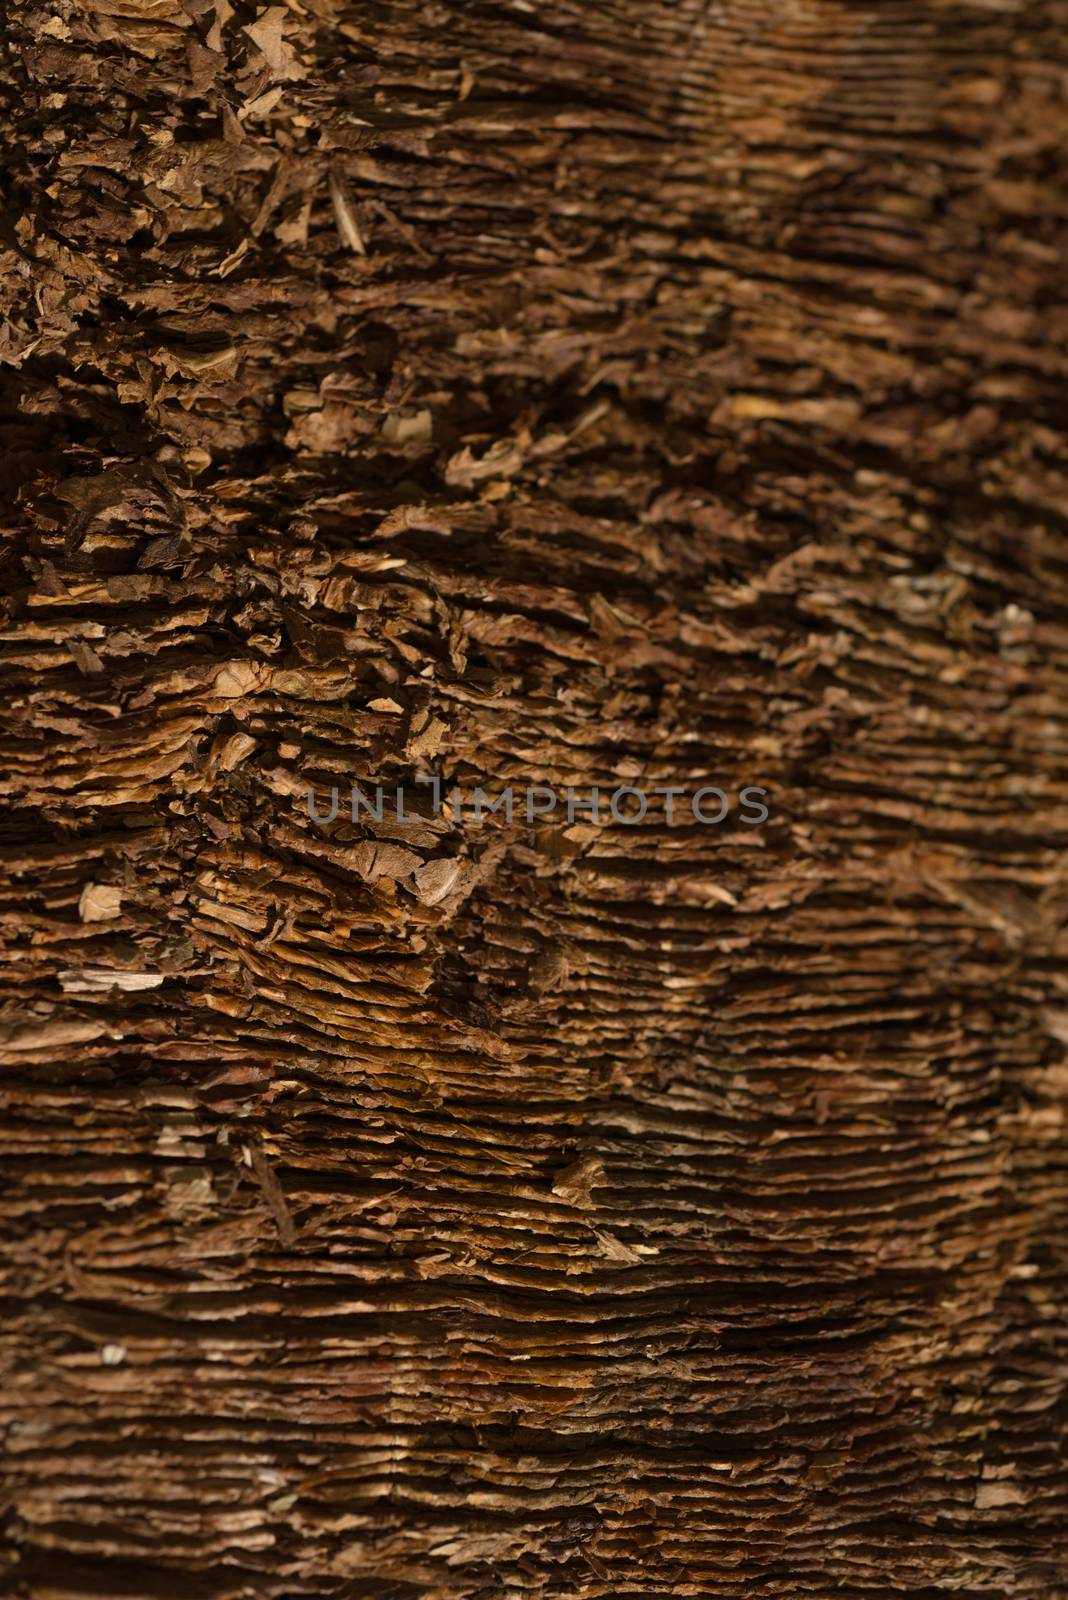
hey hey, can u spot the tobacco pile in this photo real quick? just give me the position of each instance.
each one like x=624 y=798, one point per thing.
x=534 y=392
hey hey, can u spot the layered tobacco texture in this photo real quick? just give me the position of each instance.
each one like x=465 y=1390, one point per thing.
x=634 y=393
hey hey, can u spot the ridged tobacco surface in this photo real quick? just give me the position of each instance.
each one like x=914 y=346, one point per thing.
x=628 y=395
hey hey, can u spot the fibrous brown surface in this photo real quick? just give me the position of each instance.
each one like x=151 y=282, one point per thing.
x=551 y=393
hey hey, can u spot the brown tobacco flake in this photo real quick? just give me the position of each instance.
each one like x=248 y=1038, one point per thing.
x=436 y=880
x=266 y=34
x=204 y=65
x=99 y=902
x=576 y=1182
x=88 y=662
x=344 y=215
x=50 y=583
x=273 y=1193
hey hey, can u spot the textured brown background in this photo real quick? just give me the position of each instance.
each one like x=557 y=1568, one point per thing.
x=559 y=393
